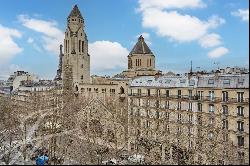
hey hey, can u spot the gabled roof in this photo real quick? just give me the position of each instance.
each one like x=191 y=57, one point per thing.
x=141 y=47
x=75 y=12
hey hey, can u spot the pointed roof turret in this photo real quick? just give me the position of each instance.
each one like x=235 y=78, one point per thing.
x=75 y=12
x=141 y=47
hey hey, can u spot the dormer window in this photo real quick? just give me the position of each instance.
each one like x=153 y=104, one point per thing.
x=226 y=82
x=210 y=81
x=182 y=81
x=191 y=83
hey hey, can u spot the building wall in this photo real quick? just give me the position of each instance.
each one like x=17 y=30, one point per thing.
x=142 y=61
x=76 y=51
x=150 y=117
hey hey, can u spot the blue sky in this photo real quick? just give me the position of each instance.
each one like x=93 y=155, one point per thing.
x=204 y=31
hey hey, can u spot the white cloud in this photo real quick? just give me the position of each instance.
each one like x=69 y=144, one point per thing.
x=164 y=18
x=8 y=47
x=210 y=40
x=107 y=55
x=146 y=36
x=218 y=52
x=52 y=36
x=182 y=28
x=7 y=69
x=178 y=27
x=215 y=21
x=170 y=4
x=242 y=13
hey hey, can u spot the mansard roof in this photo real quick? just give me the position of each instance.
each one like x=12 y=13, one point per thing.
x=75 y=12
x=141 y=47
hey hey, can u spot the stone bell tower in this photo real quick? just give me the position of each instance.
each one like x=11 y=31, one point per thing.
x=76 y=49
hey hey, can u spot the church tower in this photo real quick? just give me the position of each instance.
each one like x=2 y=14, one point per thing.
x=76 y=49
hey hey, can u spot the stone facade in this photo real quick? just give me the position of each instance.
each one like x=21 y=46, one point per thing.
x=76 y=48
x=141 y=61
x=207 y=117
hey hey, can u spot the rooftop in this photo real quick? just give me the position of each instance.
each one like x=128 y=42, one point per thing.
x=141 y=47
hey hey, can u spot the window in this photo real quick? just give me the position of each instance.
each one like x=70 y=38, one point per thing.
x=211 y=108
x=81 y=65
x=226 y=82
x=167 y=128
x=190 y=94
x=82 y=46
x=190 y=118
x=96 y=90
x=190 y=106
x=179 y=106
x=158 y=92
x=211 y=95
x=79 y=46
x=179 y=131
x=167 y=115
x=112 y=91
x=210 y=81
x=200 y=95
x=139 y=92
x=240 y=96
x=167 y=104
x=241 y=81
x=200 y=107
x=225 y=109
x=103 y=90
x=224 y=96
x=167 y=93
x=240 y=140
x=182 y=81
x=211 y=121
x=157 y=104
x=81 y=77
x=149 y=81
x=191 y=83
x=240 y=111
x=240 y=125
x=225 y=124
x=179 y=117
x=179 y=93
x=148 y=92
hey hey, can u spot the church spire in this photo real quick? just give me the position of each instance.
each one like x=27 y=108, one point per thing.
x=75 y=12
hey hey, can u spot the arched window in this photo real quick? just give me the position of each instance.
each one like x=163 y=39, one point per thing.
x=66 y=44
x=121 y=90
x=82 y=46
x=79 y=45
x=76 y=88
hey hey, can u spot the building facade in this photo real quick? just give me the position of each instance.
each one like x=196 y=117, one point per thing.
x=76 y=48
x=206 y=117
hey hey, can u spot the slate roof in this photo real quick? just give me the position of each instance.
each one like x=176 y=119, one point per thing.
x=75 y=12
x=222 y=81
x=141 y=47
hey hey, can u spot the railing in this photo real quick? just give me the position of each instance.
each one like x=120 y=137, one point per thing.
x=195 y=98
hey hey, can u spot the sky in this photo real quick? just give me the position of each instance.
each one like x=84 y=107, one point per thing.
x=210 y=33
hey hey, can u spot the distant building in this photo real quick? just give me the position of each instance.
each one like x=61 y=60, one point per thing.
x=14 y=81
